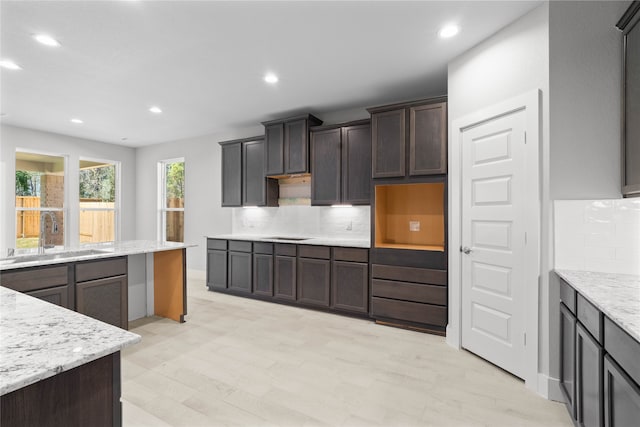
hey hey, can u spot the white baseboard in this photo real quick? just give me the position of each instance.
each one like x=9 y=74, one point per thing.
x=549 y=388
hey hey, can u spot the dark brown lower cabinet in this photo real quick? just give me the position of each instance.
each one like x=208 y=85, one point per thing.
x=58 y=295
x=217 y=269
x=589 y=387
x=88 y=395
x=285 y=278
x=350 y=286
x=314 y=281
x=104 y=299
x=263 y=274
x=240 y=271
x=567 y=357
x=621 y=396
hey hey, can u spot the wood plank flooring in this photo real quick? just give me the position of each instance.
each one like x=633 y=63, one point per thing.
x=239 y=362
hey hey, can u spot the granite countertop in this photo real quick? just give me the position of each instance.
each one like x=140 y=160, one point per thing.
x=40 y=340
x=616 y=295
x=90 y=251
x=319 y=241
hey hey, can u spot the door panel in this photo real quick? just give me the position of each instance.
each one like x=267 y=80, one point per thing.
x=493 y=187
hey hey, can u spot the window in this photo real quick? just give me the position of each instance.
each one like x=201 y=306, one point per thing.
x=98 y=201
x=40 y=197
x=172 y=200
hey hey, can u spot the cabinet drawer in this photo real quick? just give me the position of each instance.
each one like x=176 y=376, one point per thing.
x=623 y=348
x=217 y=244
x=263 y=248
x=409 y=291
x=239 y=246
x=285 y=249
x=409 y=274
x=35 y=278
x=591 y=318
x=351 y=254
x=321 y=252
x=568 y=296
x=409 y=311
x=90 y=270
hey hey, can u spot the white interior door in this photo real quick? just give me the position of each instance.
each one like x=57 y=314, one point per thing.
x=494 y=241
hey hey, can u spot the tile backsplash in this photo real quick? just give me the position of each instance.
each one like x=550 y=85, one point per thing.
x=306 y=221
x=598 y=235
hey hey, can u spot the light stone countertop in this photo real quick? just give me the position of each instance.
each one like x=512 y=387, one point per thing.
x=318 y=241
x=39 y=340
x=106 y=250
x=615 y=295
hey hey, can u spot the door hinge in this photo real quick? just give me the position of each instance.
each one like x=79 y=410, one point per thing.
x=525 y=339
x=525 y=137
x=525 y=238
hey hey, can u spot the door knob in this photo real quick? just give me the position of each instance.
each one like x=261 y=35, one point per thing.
x=466 y=250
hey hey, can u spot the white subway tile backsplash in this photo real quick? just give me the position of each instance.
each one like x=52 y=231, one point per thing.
x=597 y=235
x=306 y=221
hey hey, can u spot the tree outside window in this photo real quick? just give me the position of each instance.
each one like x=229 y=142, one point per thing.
x=172 y=208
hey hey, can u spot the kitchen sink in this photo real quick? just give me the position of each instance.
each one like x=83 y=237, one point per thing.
x=294 y=239
x=51 y=256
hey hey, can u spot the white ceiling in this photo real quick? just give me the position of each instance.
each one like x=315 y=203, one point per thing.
x=203 y=62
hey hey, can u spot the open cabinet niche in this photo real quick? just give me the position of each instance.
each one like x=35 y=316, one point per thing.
x=410 y=216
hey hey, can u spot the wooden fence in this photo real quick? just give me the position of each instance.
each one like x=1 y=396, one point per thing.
x=175 y=221
x=27 y=222
x=97 y=226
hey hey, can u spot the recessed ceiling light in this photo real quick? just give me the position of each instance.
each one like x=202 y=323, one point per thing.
x=9 y=65
x=76 y=121
x=46 y=40
x=123 y=139
x=155 y=110
x=448 y=31
x=271 y=78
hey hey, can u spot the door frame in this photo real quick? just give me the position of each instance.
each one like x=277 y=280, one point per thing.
x=530 y=103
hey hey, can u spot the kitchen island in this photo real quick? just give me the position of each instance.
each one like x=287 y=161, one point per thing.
x=57 y=367
x=113 y=282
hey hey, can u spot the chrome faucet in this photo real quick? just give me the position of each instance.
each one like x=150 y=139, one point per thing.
x=42 y=240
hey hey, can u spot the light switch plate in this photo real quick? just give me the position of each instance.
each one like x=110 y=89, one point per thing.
x=414 y=225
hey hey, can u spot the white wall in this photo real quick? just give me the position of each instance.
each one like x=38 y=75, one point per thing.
x=13 y=138
x=585 y=63
x=203 y=214
x=510 y=63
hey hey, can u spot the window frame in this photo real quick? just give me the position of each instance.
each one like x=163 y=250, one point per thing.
x=117 y=200
x=65 y=199
x=162 y=197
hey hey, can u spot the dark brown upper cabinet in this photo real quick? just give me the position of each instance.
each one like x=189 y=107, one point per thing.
x=628 y=24
x=341 y=164
x=243 y=174
x=409 y=139
x=287 y=145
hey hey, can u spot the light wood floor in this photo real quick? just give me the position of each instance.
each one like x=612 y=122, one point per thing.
x=241 y=362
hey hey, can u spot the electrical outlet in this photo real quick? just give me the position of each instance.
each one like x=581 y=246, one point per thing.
x=350 y=226
x=414 y=225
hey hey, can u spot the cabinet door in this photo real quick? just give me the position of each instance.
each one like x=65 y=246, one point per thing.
x=350 y=286
x=428 y=139
x=253 y=183
x=621 y=396
x=285 y=278
x=58 y=296
x=325 y=167
x=589 y=390
x=216 y=269
x=567 y=357
x=314 y=281
x=240 y=271
x=104 y=299
x=263 y=274
x=388 y=143
x=356 y=165
x=296 y=147
x=274 y=140
x=232 y=175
